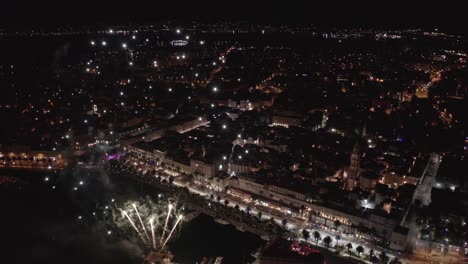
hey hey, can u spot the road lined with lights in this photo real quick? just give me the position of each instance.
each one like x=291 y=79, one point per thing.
x=295 y=222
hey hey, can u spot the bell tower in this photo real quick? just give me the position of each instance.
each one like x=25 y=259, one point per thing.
x=354 y=166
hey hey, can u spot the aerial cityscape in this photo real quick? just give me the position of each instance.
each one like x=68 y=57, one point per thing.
x=233 y=141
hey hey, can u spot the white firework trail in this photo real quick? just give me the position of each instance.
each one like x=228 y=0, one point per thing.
x=165 y=224
x=141 y=222
x=152 y=222
x=134 y=226
x=172 y=230
x=152 y=233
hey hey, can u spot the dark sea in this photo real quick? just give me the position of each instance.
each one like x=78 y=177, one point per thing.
x=40 y=224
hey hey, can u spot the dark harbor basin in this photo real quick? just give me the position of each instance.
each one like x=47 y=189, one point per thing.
x=203 y=237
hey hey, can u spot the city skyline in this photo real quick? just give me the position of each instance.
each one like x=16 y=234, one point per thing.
x=390 y=15
x=233 y=133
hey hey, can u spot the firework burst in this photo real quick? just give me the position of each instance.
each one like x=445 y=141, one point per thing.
x=150 y=219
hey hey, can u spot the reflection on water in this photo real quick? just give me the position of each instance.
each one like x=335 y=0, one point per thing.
x=203 y=237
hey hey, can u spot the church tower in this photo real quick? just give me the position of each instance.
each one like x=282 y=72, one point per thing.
x=354 y=166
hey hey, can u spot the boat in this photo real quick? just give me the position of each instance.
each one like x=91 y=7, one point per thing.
x=204 y=260
x=221 y=221
x=191 y=216
x=240 y=228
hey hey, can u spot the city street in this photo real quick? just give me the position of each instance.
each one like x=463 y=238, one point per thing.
x=428 y=180
x=295 y=224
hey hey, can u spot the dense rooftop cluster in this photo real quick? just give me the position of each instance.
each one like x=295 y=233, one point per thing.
x=341 y=125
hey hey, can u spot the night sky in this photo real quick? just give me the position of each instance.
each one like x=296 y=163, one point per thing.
x=446 y=15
